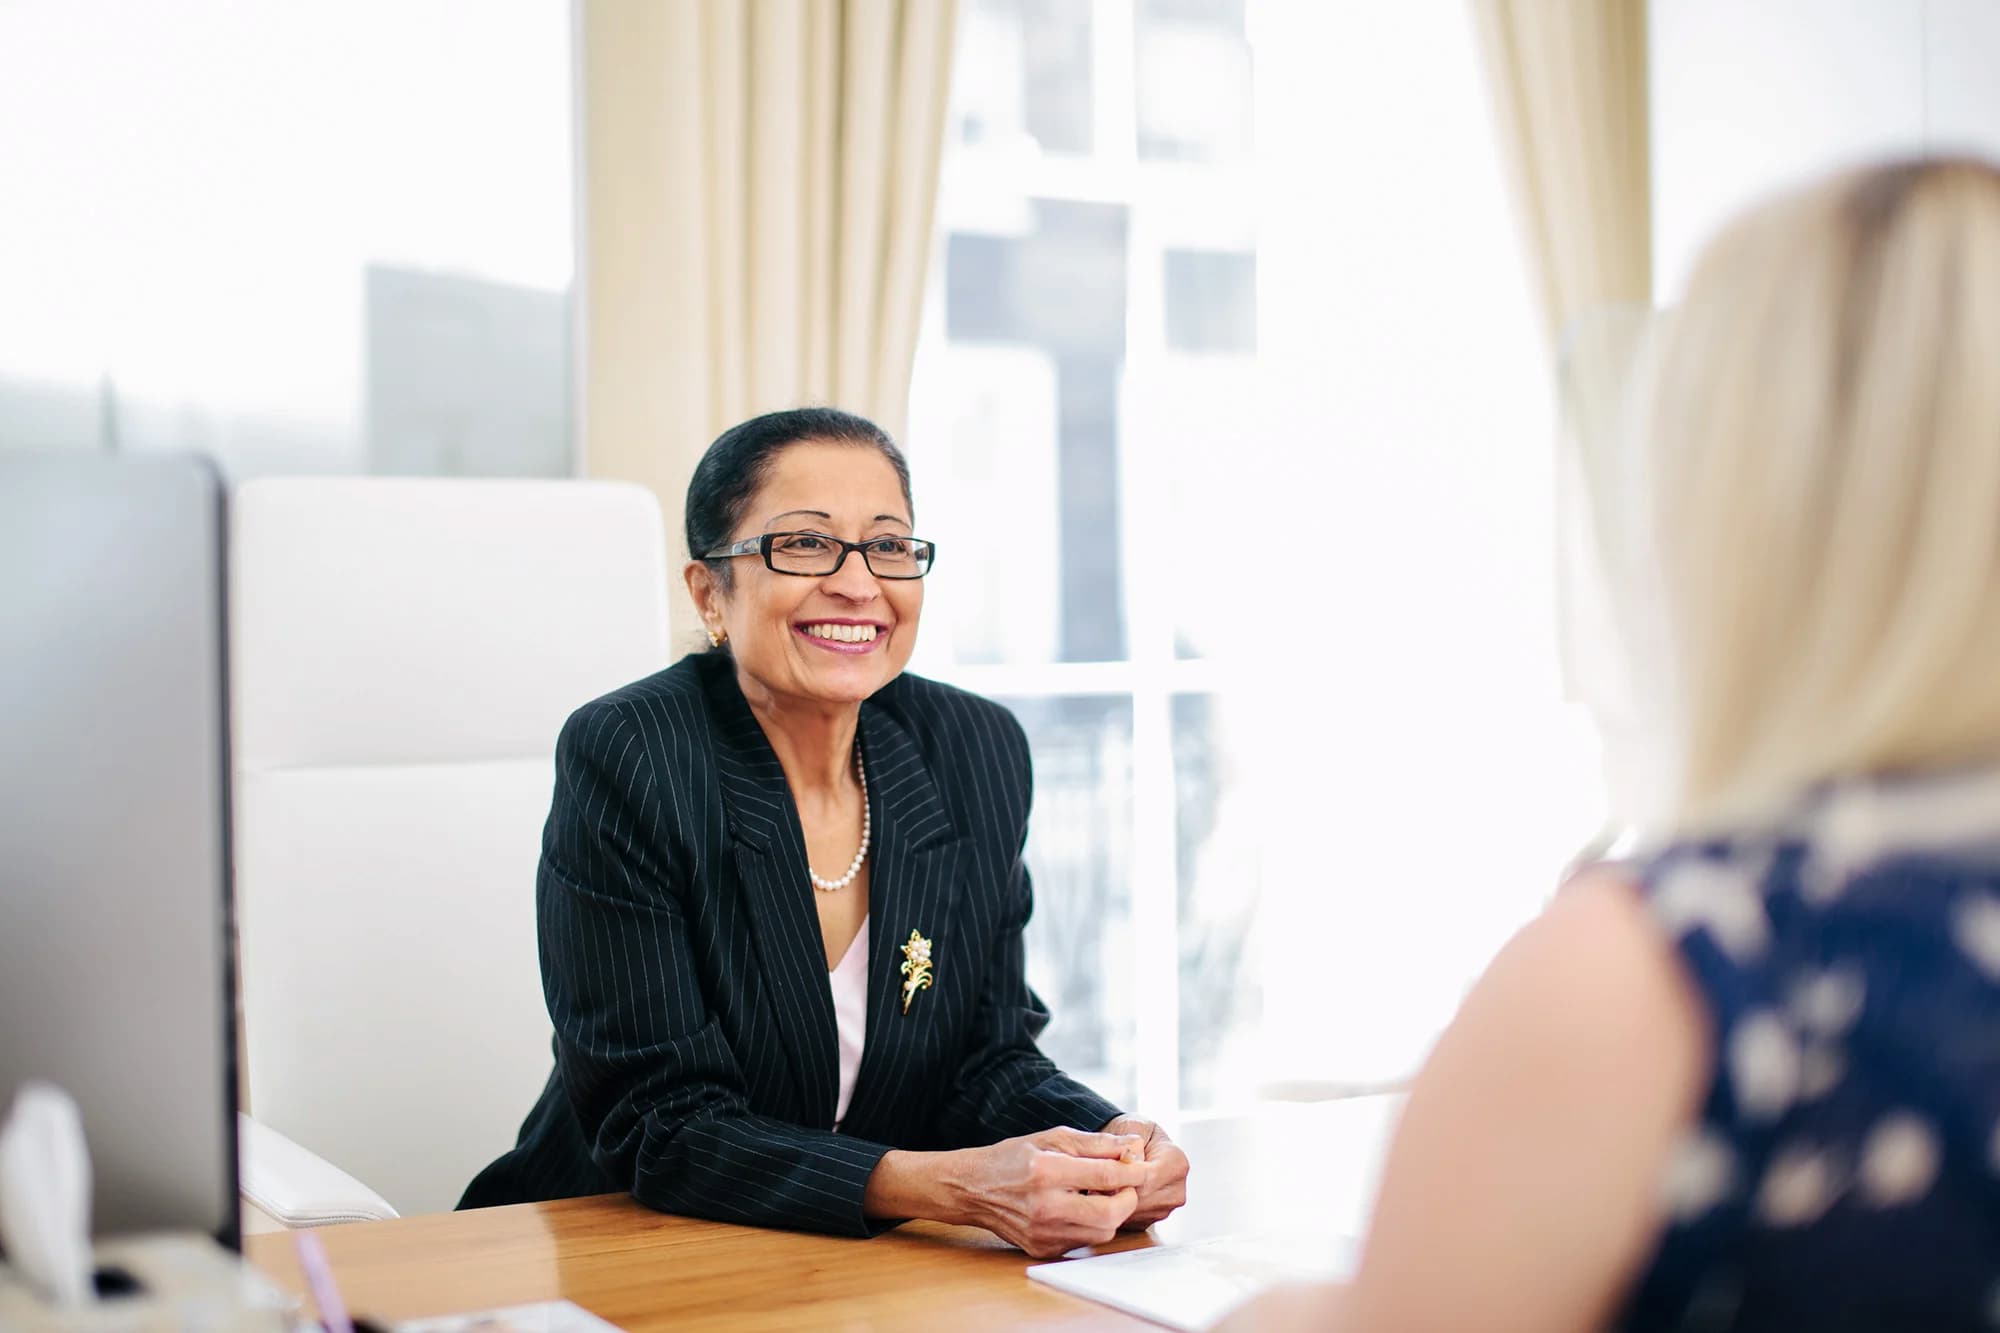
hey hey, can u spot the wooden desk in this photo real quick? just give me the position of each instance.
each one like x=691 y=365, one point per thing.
x=1276 y=1168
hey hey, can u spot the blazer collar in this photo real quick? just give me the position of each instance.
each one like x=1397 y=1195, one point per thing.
x=756 y=798
x=911 y=881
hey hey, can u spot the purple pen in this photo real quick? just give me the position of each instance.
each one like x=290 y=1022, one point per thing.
x=319 y=1276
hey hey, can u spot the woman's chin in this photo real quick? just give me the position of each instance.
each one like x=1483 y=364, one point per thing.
x=846 y=678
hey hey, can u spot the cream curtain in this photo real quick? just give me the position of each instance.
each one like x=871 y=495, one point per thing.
x=757 y=187
x=1569 y=85
x=1569 y=90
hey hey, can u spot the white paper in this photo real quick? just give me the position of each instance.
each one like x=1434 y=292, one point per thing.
x=539 y=1317
x=1191 y=1286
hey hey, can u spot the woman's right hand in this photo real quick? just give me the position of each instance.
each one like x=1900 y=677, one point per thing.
x=1053 y=1191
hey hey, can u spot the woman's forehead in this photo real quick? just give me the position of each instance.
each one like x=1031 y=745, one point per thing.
x=843 y=481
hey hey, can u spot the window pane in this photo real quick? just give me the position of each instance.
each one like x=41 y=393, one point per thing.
x=1211 y=299
x=1221 y=998
x=324 y=238
x=1079 y=852
x=1220 y=421
x=1192 y=80
x=1232 y=493
x=985 y=465
x=466 y=377
x=1018 y=418
x=1423 y=787
x=1023 y=71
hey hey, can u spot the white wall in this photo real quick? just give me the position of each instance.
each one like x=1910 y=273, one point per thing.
x=1747 y=98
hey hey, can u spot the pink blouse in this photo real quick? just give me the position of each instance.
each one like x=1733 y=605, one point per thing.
x=850 y=1015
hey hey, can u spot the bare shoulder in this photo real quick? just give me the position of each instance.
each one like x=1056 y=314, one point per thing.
x=1530 y=1155
x=1590 y=999
x=1596 y=949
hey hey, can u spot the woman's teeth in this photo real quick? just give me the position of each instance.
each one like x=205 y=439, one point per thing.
x=843 y=633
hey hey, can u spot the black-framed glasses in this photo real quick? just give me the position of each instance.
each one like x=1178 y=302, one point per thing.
x=814 y=555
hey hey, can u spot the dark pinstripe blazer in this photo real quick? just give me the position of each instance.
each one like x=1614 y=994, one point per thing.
x=696 y=1060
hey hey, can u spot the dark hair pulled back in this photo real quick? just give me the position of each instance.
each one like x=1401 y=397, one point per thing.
x=736 y=464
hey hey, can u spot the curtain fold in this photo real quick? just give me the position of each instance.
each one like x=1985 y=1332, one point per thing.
x=757 y=184
x=1568 y=79
x=1569 y=90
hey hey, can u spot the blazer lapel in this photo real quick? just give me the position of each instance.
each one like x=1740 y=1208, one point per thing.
x=912 y=887
x=771 y=865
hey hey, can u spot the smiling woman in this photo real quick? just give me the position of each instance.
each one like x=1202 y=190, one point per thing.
x=741 y=1037
x=789 y=635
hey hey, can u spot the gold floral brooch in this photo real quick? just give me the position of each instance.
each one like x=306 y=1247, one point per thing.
x=916 y=967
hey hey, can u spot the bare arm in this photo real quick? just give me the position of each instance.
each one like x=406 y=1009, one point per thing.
x=1522 y=1189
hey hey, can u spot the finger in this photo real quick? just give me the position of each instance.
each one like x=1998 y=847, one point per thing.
x=1078 y=1143
x=1061 y=1222
x=1170 y=1189
x=1145 y=1131
x=1063 y=1171
x=1104 y=1213
x=1153 y=1210
x=1168 y=1171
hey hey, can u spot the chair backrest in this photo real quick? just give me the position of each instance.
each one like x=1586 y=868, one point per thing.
x=403 y=653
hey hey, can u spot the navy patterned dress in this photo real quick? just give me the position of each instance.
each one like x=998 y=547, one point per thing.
x=1845 y=1172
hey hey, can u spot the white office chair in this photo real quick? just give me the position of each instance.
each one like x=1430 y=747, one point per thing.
x=402 y=656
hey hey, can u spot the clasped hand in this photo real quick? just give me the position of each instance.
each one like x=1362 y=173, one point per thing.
x=1050 y=1192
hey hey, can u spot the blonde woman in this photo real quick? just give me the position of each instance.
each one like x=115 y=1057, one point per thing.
x=1754 y=1082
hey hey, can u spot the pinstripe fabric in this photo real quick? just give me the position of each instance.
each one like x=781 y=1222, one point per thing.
x=696 y=1056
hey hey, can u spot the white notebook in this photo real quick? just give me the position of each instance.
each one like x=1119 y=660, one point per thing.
x=1191 y=1286
x=539 y=1317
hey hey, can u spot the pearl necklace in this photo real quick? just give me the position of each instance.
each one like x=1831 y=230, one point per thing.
x=867 y=824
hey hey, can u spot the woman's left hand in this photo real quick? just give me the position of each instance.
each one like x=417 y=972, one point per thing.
x=1166 y=1172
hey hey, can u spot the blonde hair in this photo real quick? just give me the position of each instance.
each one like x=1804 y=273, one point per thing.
x=1820 y=438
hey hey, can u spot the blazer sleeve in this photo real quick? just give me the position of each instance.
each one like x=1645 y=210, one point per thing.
x=655 y=1087
x=1005 y=1085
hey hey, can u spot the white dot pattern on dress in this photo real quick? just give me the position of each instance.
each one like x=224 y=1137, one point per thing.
x=1827 y=1003
x=1850 y=836
x=1799 y=1186
x=1720 y=898
x=1700 y=1173
x=1899 y=1161
x=1764 y=1065
x=1821 y=1068
x=1975 y=928
x=1850 y=957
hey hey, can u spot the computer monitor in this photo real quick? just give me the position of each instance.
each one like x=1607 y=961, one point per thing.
x=115 y=963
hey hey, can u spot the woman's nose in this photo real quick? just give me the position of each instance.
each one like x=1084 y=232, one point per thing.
x=853 y=580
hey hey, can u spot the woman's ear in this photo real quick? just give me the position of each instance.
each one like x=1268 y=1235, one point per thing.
x=707 y=595
x=700 y=580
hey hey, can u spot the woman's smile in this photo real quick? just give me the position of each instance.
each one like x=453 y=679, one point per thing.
x=837 y=635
